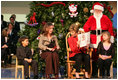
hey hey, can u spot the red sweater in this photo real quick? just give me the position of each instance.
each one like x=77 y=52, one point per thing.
x=73 y=46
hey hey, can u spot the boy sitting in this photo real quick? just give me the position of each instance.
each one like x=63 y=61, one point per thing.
x=24 y=56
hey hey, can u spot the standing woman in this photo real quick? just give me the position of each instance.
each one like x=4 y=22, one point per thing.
x=48 y=43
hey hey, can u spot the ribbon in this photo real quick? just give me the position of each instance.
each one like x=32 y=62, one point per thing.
x=109 y=9
x=48 y=5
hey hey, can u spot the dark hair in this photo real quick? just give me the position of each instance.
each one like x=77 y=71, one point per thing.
x=2 y=17
x=22 y=38
x=12 y=17
x=46 y=26
x=11 y=24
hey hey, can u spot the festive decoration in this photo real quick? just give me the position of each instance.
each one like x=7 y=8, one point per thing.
x=48 y=5
x=52 y=14
x=38 y=31
x=38 y=38
x=85 y=10
x=32 y=19
x=63 y=15
x=31 y=24
x=61 y=35
x=43 y=23
x=73 y=10
x=60 y=12
x=109 y=9
x=62 y=21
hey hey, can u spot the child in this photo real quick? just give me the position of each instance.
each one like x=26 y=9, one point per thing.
x=78 y=54
x=48 y=43
x=24 y=56
x=106 y=52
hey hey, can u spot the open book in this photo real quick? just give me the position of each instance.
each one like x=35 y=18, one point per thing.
x=84 y=39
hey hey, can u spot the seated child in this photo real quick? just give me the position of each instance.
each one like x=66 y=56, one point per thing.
x=24 y=56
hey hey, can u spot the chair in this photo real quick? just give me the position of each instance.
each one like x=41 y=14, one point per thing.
x=111 y=71
x=22 y=68
x=70 y=70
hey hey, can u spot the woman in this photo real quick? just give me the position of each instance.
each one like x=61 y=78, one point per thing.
x=12 y=34
x=4 y=46
x=13 y=37
x=48 y=43
x=78 y=54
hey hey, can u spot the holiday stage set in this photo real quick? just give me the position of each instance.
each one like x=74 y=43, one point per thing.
x=62 y=14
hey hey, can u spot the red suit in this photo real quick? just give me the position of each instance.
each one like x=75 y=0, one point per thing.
x=72 y=41
x=96 y=25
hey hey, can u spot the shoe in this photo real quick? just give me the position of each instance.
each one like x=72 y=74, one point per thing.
x=100 y=77
x=78 y=78
x=56 y=76
x=48 y=76
x=27 y=77
x=36 y=77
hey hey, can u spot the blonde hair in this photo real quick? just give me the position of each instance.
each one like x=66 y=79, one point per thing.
x=4 y=32
x=74 y=27
x=109 y=35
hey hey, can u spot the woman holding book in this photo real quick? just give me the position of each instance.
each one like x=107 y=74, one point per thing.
x=78 y=54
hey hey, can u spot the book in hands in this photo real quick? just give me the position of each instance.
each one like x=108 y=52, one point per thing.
x=84 y=39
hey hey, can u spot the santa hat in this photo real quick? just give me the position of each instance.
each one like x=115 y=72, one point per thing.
x=98 y=6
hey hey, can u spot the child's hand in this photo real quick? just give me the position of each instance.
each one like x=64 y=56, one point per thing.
x=52 y=49
x=58 y=47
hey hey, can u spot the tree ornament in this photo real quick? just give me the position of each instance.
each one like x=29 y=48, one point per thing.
x=39 y=31
x=85 y=10
x=62 y=21
x=38 y=38
x=32 y=21
x=73 y=10
x=60 y=35
x=43 y=23
x=86 y=16
x=52 y=13
x=63 y=15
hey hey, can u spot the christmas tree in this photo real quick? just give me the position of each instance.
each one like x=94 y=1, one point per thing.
x=58 y=13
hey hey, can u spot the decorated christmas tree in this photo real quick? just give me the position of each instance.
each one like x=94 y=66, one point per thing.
x=58 y=13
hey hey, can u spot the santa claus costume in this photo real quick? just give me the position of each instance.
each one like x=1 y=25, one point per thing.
x=96 y=25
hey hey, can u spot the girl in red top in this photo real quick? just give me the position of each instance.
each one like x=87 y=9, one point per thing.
x=78 y=54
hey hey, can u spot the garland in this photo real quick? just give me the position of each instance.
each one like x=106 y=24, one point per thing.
x=48 y=5
x=109 y=9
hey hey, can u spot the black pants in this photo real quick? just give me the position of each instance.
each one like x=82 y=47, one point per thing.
x=79 y=59
x=33 y=64
x=104 y=65
x=4 y=55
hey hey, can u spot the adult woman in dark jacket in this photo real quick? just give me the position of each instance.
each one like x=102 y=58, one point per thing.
x=4 y=46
